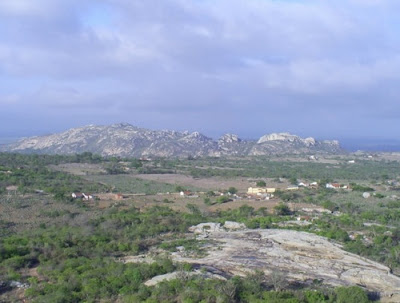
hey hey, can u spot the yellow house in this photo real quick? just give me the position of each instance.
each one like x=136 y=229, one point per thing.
x=260 y=190
x=256 y=190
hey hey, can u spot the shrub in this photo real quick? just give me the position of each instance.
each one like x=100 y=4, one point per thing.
x=351 y=294
x=261 y=183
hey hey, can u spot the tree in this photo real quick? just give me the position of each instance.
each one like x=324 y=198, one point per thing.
x=179 y=188
x=136 y=163
x=222 y=199
x=278 y=280
x=293 y=180
x=282 y=210
x=210 y=193
x=261 y=183
x=232 y=190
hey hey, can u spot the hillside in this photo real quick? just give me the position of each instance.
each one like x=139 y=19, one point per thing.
x=126 y=140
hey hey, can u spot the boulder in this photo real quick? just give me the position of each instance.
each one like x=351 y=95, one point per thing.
x=231 y=225
x=206 y=228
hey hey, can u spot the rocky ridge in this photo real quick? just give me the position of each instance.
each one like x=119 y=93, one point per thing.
x=126 y=140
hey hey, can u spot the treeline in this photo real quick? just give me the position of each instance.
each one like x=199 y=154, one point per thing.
x=261 y=167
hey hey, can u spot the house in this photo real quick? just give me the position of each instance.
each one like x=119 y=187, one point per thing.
x=256 y=190
x=77 y=195
x=333 y=185
x=304 y=218
x=185 y=193
x=87 y=197
x=302 y=184
x=314 y=184
x=260 y=190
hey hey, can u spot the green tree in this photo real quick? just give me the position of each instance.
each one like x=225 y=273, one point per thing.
x=232 y=190
x=136 y=163
x=179 y=188
x=222 y=199
x=261 y=183
x=207 y=201
x=293 y=180
x=282 y=210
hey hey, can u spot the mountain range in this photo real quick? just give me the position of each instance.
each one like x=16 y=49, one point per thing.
x=126 y=140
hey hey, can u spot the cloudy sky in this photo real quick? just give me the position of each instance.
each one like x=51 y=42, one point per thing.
x=328 y=69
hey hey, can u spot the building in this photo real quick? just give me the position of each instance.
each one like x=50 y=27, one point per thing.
x=333 y=185
x=77 y=195
x=260 y=190
x=87 y=197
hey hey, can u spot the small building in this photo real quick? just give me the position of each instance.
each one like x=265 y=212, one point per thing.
x=77 y=195
x=260 y=190
x=333 y=185
x=256 y=190
x=87 y=197
x=185 y=193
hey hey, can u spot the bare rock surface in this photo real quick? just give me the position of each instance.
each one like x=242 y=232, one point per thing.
x=301 y=256
x=206 y=228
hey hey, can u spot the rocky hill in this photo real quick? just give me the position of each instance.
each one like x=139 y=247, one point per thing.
x=126 y=140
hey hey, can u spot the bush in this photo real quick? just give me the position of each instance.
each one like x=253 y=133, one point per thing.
x=282 y=210
x=232 y=190
x=261 y=183
x=351 y=294
x=222 y=199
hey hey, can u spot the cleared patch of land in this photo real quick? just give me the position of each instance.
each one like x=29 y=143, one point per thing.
x=212 y=183
x=132 y=184
x=79 y=169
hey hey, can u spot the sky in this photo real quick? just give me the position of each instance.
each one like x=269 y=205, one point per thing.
x=326 y=69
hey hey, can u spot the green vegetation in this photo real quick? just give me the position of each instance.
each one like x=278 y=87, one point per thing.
x=261 y=183
x=79 y=263
x=76 y=250
x=29 y=173
x=282 y=210
x=273 y=167
x=222 y=199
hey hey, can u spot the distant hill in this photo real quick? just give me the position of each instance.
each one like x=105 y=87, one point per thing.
x=126 y=140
